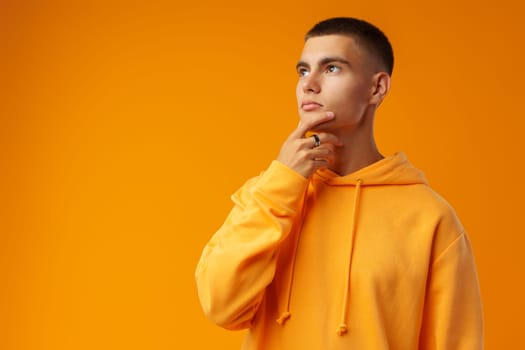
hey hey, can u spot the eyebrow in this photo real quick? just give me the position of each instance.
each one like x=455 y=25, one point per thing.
x=323 y=61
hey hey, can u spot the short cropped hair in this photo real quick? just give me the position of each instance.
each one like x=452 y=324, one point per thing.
x=365 y=34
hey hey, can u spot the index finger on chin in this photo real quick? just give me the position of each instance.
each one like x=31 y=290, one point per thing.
x=311 y=123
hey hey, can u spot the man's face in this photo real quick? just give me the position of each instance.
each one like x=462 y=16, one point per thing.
x=335 y=75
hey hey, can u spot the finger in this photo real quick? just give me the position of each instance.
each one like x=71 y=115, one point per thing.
x=321 y=152
x=324 y=139
x=319 y=163
x=327 y=138
x=316 y=155
x=309 y=124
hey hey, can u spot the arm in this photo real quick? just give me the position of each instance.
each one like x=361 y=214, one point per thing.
x=239 y=261
x=453 y=315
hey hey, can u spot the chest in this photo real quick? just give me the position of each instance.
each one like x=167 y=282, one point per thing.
x=381 y=238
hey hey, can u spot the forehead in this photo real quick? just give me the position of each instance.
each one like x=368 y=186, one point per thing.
x=335 y=45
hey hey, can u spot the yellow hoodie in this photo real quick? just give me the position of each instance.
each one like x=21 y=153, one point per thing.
x=372 y=260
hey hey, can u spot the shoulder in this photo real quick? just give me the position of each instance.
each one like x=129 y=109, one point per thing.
x=448 y=228
x=444 y=210
x=426 y=200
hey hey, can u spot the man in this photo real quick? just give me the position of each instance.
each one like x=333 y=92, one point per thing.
x=335 y=246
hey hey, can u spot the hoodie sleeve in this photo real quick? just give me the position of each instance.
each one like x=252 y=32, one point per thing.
x=453 y=317
x=239 y=261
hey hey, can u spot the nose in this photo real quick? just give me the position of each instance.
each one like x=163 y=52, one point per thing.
x=311 y=84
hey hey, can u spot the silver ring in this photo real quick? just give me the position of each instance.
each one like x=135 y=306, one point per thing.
x=317 y=140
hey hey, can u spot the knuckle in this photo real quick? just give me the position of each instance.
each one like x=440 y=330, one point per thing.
x=302 y=154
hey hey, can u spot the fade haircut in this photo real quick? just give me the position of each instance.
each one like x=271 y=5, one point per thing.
x=366 y=35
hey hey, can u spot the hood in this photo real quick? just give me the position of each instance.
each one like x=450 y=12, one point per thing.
x=391 y=170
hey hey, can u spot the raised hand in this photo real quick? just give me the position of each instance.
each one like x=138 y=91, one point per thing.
x=305 y=155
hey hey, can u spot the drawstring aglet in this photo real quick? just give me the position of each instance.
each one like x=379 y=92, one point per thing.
x=285 y=316
x=342 y=329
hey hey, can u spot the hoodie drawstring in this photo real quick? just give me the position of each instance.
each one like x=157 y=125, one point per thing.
x=286 y=314
x=343 y=327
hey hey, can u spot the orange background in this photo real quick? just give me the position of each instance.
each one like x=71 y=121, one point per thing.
x=125 y=126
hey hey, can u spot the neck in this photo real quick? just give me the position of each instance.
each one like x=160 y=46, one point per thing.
x=359 y=149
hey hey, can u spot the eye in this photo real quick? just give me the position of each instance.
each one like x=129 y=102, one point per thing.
x=303 y=72
x=332 y=69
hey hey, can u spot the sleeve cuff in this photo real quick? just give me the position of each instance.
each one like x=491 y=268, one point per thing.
x=282 y=186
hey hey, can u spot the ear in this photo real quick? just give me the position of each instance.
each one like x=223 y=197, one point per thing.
x=381 y=85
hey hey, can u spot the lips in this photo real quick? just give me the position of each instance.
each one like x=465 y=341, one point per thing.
x=308 y=105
